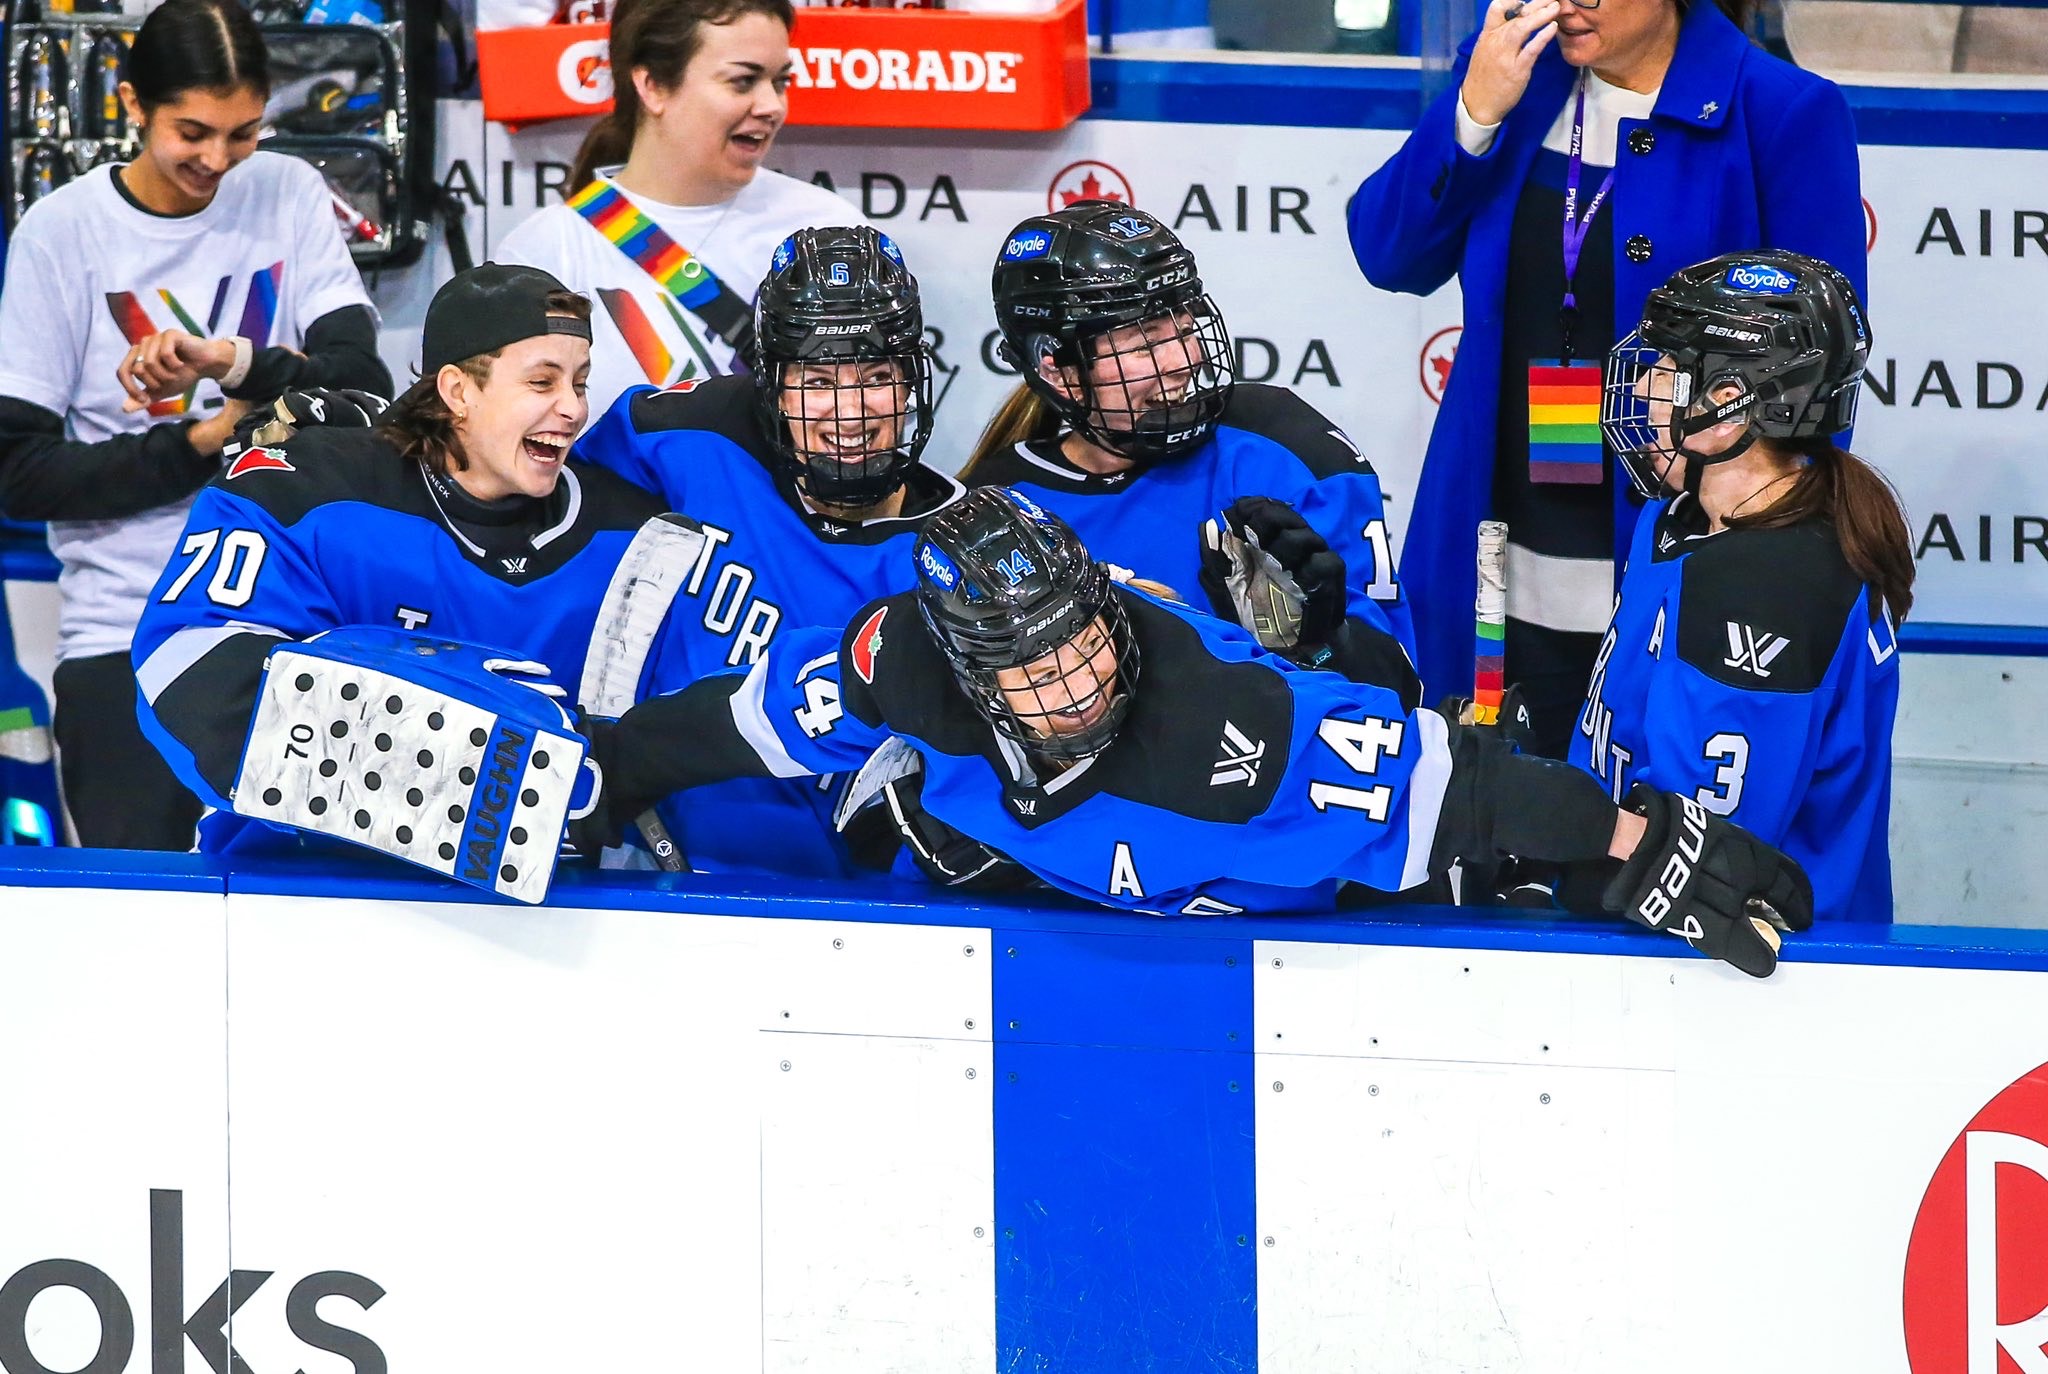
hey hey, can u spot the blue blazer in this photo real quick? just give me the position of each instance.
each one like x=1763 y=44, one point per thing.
x=1749 y=152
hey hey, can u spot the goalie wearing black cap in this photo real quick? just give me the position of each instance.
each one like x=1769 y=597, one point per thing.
x=376 y=633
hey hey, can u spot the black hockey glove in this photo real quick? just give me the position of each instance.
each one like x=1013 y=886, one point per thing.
x=339 y=408
x=619 y=801
x=1512 y=726
x=1709 y=881
x=1266 y=569
x=943 y=854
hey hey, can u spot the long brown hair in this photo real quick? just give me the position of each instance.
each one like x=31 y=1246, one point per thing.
x=1870 y=525
x=659 y=37
x=419 y=423
x=1023 y=417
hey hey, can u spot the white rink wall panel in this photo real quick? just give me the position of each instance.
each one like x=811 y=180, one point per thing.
x=697 y=1126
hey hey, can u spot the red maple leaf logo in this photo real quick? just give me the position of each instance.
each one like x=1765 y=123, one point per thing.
x=1091 y=189
x=259 y=460
x=1442 y=368
x=867 y=642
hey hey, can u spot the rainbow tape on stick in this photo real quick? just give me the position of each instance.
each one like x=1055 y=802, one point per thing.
x=1491 y=623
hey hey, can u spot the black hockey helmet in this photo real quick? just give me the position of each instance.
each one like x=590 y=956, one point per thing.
x=1065 y=281
x=1004 y=585
x=841 y=371
x=1780 y=335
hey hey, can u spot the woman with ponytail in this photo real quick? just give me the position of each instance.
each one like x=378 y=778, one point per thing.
x=698 y=98
x=1752 y=661
x=148 y=306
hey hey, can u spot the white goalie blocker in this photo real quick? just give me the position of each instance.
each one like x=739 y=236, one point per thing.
x=451 y=756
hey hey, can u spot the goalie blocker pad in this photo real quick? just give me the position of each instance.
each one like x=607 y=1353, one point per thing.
x=419 y=748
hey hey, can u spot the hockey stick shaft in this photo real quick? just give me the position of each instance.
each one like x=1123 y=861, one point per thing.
x=1490 y=623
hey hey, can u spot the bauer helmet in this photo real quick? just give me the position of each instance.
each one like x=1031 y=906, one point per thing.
x=842 y=374
x=1028 y=621
x=1779 y=338
x=1113 y=299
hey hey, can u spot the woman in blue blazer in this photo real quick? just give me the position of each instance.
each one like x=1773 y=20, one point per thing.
x=1691 y=142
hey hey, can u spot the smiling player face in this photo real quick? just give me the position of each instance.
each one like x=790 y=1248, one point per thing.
x=1068 y=690
x=514 y=429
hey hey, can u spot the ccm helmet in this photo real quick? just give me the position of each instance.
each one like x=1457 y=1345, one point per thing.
x=1003 y=584
x=1779 y=337
x=842 y=374
x=1065 y=281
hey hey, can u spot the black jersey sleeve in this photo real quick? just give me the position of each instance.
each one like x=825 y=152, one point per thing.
x=45 y=476
x=340 y=352
x=1763 y=610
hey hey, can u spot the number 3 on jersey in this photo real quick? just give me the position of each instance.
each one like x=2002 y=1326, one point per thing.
x=234 y=576
x=1361 y=744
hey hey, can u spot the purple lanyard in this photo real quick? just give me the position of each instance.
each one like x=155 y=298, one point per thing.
x=1576 y=228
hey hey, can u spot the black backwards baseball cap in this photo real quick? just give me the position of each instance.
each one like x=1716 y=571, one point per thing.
x=484 y=309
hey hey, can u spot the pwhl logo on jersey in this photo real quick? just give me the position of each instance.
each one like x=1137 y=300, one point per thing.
x=1437 y=356
x=1751 y=650
x=1976 y=1293
x=259 y=314
x=1081 y=181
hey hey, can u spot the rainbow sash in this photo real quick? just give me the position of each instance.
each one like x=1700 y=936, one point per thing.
x=1564 y=423
x=674 y=268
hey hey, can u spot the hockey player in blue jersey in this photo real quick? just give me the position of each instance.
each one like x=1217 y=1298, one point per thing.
x=1129 y=425
x=806 y=480
x=303 y=659
x=1752 y=664
x=1134 y=752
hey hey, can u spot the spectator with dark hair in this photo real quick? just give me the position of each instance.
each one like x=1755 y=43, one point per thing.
x=146 y=306
x=1583 y=153
x=672 y=214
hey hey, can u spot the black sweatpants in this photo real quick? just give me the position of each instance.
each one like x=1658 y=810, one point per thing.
x=117 y=787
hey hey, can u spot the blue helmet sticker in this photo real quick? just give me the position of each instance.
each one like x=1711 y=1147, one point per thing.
x=1015 y=567
x=1131 y=227
x=936 y=567
x=1027 y=505
x=785 y=252
x=1032 y=243
x=889 y=249
x=1761 y=279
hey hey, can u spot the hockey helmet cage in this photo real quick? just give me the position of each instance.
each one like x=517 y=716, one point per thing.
x=1065 y=282
x=1036 y=637
x=842 y=374
x=1781 y=337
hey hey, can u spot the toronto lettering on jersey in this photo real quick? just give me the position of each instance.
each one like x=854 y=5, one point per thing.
x=170 y=1327
x=729 y=607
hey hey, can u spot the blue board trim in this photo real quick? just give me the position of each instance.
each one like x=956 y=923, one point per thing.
x=1114 y=1056
x=1388 y=96
x=127 y=870
x=908 y=904
x=1938 y=637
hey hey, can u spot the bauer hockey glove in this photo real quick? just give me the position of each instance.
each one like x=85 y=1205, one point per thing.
x=883 y=809
x=1266 y=568
x=1710 y=882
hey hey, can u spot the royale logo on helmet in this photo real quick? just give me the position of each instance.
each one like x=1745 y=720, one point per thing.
x=1024 y=247
x=1761 y=278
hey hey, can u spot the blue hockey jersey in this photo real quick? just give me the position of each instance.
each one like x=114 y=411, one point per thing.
x=771 y=565
x=1269 y=442
x=1751 y=670
x=1238 y=782
x=334 y=528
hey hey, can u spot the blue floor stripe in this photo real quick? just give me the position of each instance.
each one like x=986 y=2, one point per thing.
x=1125 y=1202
